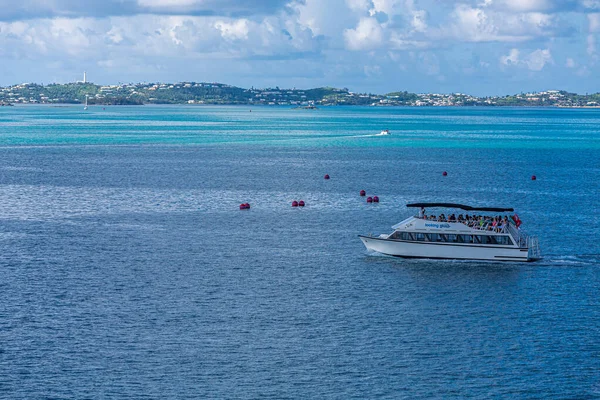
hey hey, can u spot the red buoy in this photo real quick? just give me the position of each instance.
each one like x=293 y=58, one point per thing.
x=363 y=193
x=444 y=173
x=327 y=176
x=243 y=206
x=375 y=199
x=301 y=203
x=294 y=203
x=369 y=199
x=533 y=177
x=247 y=206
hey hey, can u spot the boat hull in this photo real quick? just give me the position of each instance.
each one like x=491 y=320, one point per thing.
x=409 y=249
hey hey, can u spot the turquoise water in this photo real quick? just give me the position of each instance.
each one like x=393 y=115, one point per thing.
x=334 y=126
x=127 y=269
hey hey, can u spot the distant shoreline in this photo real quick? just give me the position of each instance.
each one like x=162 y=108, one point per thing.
x=308 y=108
x=198 y=93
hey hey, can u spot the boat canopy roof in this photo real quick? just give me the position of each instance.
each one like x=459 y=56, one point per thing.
x=461 y=206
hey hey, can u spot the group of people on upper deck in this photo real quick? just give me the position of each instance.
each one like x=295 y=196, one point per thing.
x=482 y=222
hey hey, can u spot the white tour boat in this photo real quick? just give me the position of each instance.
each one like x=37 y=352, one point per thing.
x=470 y=237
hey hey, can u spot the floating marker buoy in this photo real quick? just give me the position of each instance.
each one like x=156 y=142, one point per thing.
x=247 y=206
x=369 y=199
x=444 y=173
x=243 y=206
x=301 y=203
x=375 y=199
x=327 y=176
x=294 y=203
x=363 y=193
x=533 y=177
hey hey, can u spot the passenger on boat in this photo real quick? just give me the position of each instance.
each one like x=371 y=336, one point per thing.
x=422 y=213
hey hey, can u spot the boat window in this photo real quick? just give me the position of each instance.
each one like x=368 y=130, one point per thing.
x=452 y=238
x=443 y=237
x=395 y=235
x=420 y=237
x=478 y=239
x=465 y=238
x=434 y=237
x=406 y=236
x=505 y=240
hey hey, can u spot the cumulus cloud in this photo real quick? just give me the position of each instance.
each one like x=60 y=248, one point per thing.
x=594 y=22
x=534 y=61
x=591 y=45
x=538 y=59
x=511 y=58
x=478 y=24
x=174 y=36
x=533 y=5
x=11 y=10
x=551 y=6
x=367 y=35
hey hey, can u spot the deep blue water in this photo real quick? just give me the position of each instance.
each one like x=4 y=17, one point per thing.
x=128 y=271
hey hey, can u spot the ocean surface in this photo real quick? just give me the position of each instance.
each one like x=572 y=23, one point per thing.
x=127 y=269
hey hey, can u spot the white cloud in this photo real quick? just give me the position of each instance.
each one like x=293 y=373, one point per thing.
x=385 y=6
x=367 y=35
x=570 y=63
x=591 y=45
x=538 y=59
x=511 y=58
x=419 y=20
x=534 y=61
x=150 y=35
x=591 y=4
x=328 y=21
x=359 y=5
x=167 y=3
x=594 y=22
x=528 y=5
x=471 y=24
x=233 y=30
x=11 y=10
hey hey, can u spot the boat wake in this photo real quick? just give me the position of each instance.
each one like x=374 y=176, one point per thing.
x=574 y=260
x=581 y=260
x=369 y=135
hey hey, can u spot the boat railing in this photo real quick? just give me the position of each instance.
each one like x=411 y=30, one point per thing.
x=484 y=225
x=533 y=246
x=522 y=239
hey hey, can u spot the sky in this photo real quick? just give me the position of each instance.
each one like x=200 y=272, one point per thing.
x=479 y=47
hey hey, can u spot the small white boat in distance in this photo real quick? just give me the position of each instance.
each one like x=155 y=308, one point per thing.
x=472 y=237
x=385 y=132
x=86 y=102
